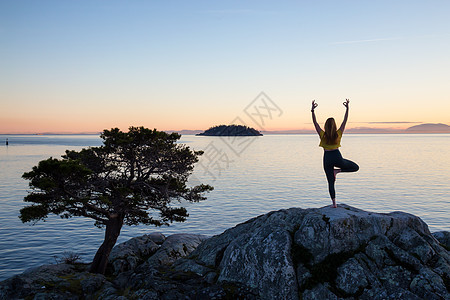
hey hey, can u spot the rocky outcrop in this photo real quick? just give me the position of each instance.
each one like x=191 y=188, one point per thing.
x=323 y=253
x=328 y=253
x=444 y=238
x=152 y=250
x=73 y=281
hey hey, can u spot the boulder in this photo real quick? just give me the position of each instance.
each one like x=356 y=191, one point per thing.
x=328 y=252
x=73 y=281
x=317 y=253
x=443 y=237
x=174 y=247
x=61 y=281
x=128 y=255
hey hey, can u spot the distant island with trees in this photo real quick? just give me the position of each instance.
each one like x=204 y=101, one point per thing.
x=231 y=130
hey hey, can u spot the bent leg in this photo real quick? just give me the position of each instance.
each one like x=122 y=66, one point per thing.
x=347 y=166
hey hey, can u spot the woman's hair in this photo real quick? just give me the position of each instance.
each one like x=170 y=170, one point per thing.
x=330 y=134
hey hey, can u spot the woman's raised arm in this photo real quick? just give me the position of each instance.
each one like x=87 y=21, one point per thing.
x=344 y=122
x=316 y=125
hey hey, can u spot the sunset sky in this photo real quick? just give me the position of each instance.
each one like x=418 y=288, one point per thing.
x=83 y=66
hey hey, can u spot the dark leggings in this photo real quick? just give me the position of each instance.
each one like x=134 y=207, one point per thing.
x=333 y=159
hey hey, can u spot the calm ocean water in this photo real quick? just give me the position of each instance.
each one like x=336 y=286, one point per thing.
x=251 y=176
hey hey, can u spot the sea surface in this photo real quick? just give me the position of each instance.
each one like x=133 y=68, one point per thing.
x=251 y=176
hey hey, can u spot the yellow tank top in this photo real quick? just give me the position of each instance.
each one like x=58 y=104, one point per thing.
x=324 y=144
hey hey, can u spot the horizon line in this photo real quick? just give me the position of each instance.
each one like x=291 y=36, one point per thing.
x=352 y=130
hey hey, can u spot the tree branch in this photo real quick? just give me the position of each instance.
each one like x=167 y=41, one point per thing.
x=98 y=209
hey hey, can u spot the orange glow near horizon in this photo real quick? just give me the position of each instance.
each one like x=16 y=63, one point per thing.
x=71 y=116
x=35 y=125
x=204 y=69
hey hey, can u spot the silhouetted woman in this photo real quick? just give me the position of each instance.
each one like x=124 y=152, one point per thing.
x=330 y=140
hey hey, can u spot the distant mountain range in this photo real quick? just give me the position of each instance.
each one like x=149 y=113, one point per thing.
x=429 y=127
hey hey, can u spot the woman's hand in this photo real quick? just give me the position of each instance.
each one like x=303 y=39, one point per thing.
x=345 y=115
x=316 y=125
x=345 y=103
x=314 y=105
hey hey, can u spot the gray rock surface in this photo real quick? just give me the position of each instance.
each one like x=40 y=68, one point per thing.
x=64 y=281
x=322 y=253
x=327 y=252
x=174 y=247
x=128 y=255
x=443 y=237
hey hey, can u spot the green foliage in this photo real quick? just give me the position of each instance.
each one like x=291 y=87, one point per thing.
x=133 y=174
x=33 y=213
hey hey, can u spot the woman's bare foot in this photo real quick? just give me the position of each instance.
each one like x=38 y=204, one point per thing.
x=334 y=203
x=336 y=171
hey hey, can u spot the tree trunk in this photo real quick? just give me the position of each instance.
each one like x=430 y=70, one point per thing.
x=113 y=228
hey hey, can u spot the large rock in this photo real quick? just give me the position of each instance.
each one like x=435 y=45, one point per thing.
x=322 y=253
x=73 y=281
x=328 y=252
x=128 y=255
x=174 y=247
x=61 y=281
x=443 y=237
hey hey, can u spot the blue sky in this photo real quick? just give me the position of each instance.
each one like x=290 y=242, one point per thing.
x=89 y=65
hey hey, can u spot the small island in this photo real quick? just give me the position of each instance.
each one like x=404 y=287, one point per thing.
x=231 y=130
